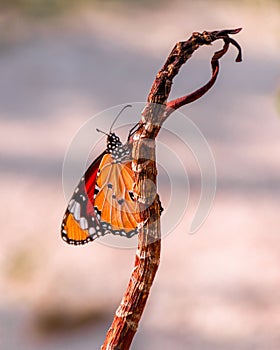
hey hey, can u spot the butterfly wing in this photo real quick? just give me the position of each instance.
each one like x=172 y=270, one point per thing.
x=80 y=223
x=114 y=202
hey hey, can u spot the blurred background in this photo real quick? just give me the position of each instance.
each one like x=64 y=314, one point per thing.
x=63 y=61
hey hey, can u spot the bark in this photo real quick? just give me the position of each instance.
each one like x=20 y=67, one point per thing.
x=128 y=315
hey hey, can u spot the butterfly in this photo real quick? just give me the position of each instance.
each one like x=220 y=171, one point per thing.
x=104 y=200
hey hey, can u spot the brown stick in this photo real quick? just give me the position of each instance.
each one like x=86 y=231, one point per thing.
x=125 y=323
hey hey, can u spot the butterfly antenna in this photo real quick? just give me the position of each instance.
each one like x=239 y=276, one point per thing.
x=120 y=112
x=103 y=132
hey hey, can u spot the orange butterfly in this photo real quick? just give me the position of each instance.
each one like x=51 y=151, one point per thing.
x=103 y=202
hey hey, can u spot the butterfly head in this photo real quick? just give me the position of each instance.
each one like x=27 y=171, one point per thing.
x=115 y=147
x=113 y=141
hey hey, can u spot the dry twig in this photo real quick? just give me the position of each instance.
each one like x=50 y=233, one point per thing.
x=127 y=317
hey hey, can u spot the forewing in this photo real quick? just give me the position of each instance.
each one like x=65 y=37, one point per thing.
x=80 y=223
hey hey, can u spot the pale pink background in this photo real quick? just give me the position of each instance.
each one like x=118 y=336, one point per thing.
x=217 y=289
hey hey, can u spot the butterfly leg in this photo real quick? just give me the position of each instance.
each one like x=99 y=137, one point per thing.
x=133 y=130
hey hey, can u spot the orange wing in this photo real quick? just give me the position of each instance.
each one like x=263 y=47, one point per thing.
x=114 y=200
x=102 y=203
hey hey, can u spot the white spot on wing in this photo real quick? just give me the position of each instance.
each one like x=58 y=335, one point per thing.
x=83 y=197
x=71 y=205
x=83 y=223
x=92 y=231
x=77 y=211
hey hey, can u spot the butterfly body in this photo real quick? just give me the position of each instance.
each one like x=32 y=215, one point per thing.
x=103 y=202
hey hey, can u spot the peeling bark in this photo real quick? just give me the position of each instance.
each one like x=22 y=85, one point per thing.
x=128 y=314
